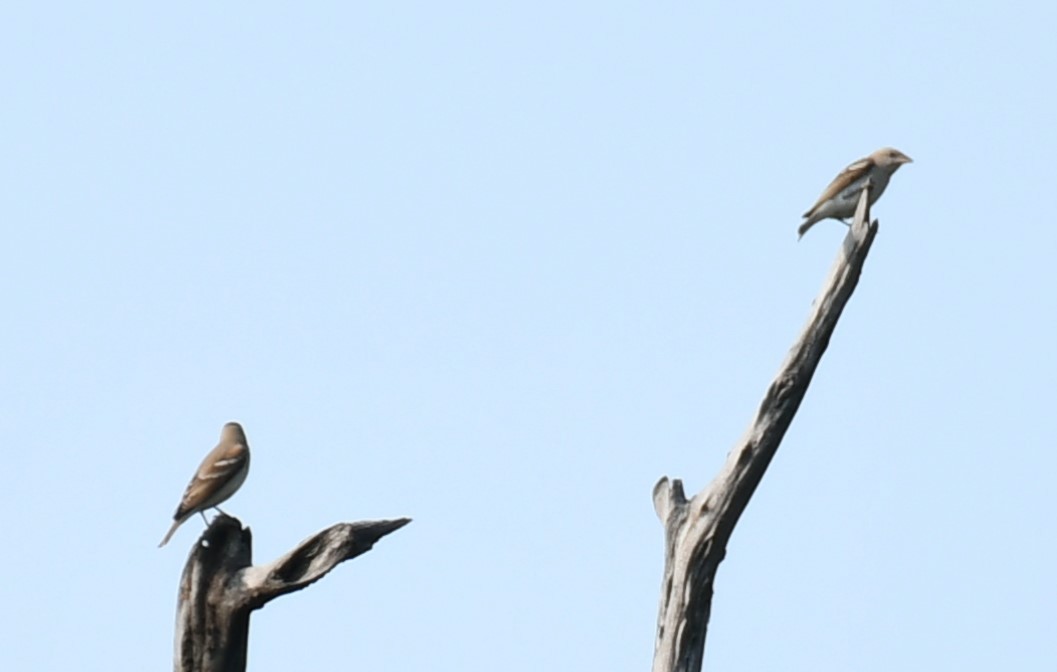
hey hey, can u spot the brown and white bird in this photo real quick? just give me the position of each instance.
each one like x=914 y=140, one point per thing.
x=218 y=477
x=839 y=199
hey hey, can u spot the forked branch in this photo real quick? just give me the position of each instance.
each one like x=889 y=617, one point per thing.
x=697 y=530
x=220 y=587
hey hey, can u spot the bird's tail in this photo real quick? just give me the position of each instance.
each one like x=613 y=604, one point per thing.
x=172 y=530
x=804 y=227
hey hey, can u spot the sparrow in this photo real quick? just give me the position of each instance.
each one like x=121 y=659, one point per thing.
x=839 y=199
x=218 y=477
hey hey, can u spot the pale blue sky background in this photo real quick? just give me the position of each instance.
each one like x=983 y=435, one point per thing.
x=499 y=267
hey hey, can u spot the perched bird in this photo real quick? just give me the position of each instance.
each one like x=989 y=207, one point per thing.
x=218 y=477
x=839 y=199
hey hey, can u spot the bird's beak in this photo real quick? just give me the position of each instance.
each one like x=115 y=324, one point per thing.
x=906 y=159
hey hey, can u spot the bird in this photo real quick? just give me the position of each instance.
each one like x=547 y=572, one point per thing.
x=221 y=473
x=841 y=197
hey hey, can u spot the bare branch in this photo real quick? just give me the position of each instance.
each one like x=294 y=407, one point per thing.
x=220 y=588
x=697 y=531
x=313 y=558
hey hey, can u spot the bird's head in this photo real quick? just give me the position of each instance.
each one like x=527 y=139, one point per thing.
x=889 y=157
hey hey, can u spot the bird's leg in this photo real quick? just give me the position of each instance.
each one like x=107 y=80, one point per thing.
x=204 y=519
x=220 y=510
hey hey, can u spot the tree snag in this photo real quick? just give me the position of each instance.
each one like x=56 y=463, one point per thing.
x=220 y=587
x=697 y=530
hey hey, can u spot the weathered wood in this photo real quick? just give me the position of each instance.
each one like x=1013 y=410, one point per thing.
x=220 y=587
x=697 y=530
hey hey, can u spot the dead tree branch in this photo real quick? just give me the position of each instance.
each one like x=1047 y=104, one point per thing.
x=220 y=587
x=697 y=530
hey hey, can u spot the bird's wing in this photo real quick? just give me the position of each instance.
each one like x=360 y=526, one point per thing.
x=220 y=466
x=841 y=182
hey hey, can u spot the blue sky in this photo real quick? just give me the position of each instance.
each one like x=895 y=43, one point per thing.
x=500 y=266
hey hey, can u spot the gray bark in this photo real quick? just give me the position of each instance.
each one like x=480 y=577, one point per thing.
x=697 y=530
x=220 y=586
